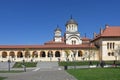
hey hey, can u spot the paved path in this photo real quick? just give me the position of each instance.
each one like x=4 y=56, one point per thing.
x=4 y=65
x=47 y=64
x=39 y=75
x=43 y=71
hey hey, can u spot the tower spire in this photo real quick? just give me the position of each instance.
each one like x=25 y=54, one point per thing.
x=71 y=17
x=57 y=26
x=85 y=35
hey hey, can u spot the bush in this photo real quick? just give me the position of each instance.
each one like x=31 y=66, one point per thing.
x=80 y=63
x=77 y=63
x=27 y=64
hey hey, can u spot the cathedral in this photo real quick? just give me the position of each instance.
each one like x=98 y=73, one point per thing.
x=104 y=46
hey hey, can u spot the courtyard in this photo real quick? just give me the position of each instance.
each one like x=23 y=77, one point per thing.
x=43 y=71
x=52 y=71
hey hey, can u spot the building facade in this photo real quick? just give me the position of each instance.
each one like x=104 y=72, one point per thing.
x=71 y=46
x=108 y=43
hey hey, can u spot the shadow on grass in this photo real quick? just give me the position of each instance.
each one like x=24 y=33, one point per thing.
x=12 y=71
x=2 y=78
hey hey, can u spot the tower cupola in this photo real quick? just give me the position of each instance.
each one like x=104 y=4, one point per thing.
x=71 y=25
x=72 y=36
x=58 y=34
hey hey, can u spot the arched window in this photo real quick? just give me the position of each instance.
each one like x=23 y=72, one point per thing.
x=80 y=54
x=109 y=54
x=110 y=45
x=42 y=54
x=19 y=54
x=57 y=54
x=4 y=54
x=113 y=45
x=12 y=54
x=67 y=28
x=112 y=53
x=73 y=42
x=107 y=45
x=72 y=27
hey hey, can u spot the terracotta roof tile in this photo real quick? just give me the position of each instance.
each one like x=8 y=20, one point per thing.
x=85 y=39
x=53 y=43
x=109 y=31
x=46 y=46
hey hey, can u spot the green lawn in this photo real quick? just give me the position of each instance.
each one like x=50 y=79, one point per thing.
x=96 y=74
x=27 y=64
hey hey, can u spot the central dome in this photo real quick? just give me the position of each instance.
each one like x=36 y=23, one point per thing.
x=71 y=21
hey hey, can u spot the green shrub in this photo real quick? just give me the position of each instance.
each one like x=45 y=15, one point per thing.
x=77 y=63
x=27 y=64
x=80 y=63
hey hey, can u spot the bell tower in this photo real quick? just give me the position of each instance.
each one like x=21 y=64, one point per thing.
x=72 y=36
x=57 y=35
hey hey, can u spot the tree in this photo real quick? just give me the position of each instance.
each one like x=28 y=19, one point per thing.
x=27 y=53
x=67 y=52
x=74 y=59
x=117 y=53
x=89 y=55
x=74 y=54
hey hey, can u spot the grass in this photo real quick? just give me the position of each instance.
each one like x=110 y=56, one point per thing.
x=79 y=63
x=12 y=71
x=27 y=64
x=96 y=73
x=2 y=78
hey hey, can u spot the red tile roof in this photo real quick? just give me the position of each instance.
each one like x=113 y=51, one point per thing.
x=47 y=46
x=54 y=43
x=109 y=31
x=85 y=39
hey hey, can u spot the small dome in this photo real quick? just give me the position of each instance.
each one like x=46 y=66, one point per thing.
x=57 y=29
x=71 y=21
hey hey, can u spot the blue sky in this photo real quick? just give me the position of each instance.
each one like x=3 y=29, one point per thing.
x=34 y=21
